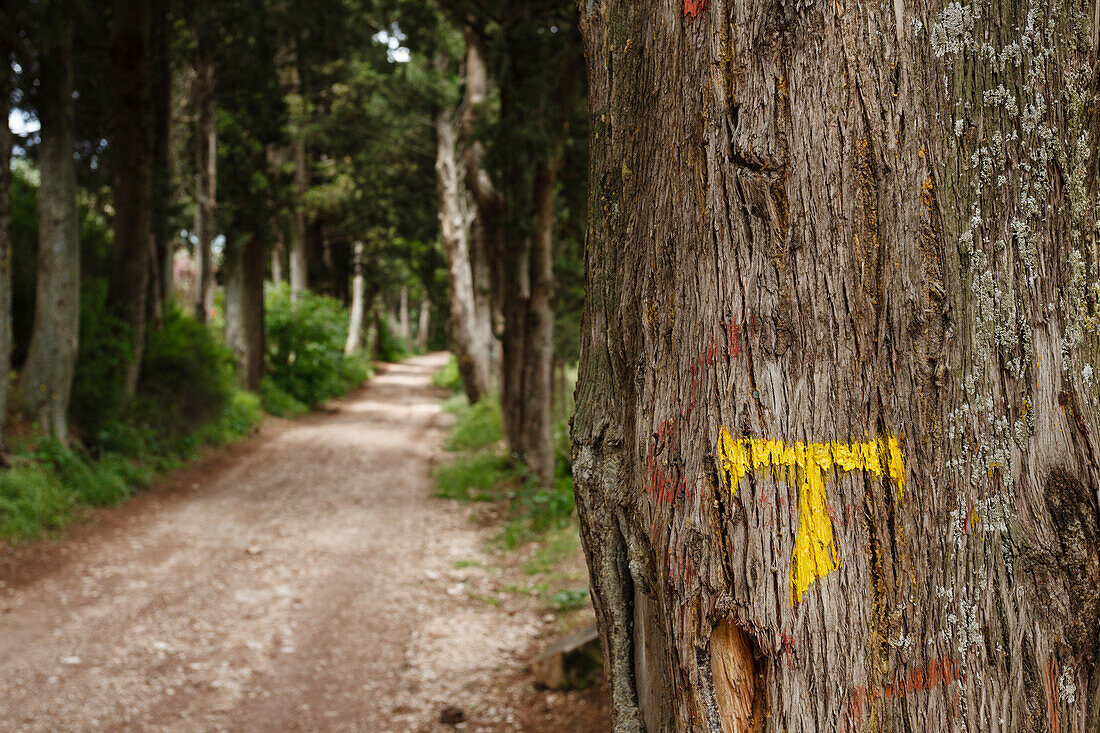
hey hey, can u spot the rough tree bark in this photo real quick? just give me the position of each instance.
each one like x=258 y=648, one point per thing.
x=835 y=444
x=132 y=173
x=358 y=303
x=46 y=381
x=245 y=263
x=471 y=337
x=206 y=185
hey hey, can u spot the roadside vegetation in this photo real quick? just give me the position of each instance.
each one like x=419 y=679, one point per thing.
x=538 y=523
x=187 y=399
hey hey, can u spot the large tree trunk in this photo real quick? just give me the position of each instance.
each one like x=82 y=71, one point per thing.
x=470 y=338
x=206 y=188
x=837 y=413
x=5 y=231
x=538 y=362
x=132 y=165
x=358 y=303
x=46 y=380
x=244 y=309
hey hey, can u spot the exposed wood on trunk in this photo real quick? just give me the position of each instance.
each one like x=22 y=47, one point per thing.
x=470 y=337
x=358 y=303
x=836 y=395
x=245 y=263
x=46 y=381
x=132 y=173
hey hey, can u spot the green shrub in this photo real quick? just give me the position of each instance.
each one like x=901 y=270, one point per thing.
x=104 y=353
x=305 y=344
x=391 y=347
x=277 y=402
x=478 y=426
x=32 y=501
x=186 y=377
x=449 y=377
x=475 y=477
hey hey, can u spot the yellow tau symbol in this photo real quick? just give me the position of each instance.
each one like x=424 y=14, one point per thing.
x=815 y=553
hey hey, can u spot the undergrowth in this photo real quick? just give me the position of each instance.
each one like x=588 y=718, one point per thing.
x=482 y=470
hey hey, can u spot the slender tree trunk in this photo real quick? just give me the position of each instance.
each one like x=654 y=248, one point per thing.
x=5 y=233
x=132 y=164
x=162 y=88
x=207 y=189
x=46 y=380
x=278 y=257
x=471 y=343
x=299 y=272
x=244 y=309
x=538 y=362
x=403 y=317
x=423 y=325
x=837 y=416
x=358 y=303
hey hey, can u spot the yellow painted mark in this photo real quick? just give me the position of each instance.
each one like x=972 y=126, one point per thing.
x=815 y=553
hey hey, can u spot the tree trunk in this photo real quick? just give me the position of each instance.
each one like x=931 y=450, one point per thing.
x=299 y=272
x=403 y=317
x=837 y=416
x=538 y=362
x=358 y=303
x=132 y=165
x=207 y=189
x=5 y=233
x=278 y=257
x=46 y=381
x=164 y=239
x=470 y=339
x=424 y=322
x=244 y=309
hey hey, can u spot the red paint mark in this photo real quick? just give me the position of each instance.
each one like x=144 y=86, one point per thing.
x=692 y=8
x=938 y=672
x=788 y=647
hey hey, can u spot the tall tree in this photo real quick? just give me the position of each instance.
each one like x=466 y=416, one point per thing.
x=45 y=383
x=206 y=178
x=837 y=412
x=132 y=164
x=471 y=336
x=7 y=42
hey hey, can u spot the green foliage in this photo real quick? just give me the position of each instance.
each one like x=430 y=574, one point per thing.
x=475 y=477
x=569 y=599
x=449 y=377
x=478 y=427
x=277 y=402
x=482 y=471
x=391 y=347
x=98 y=393
x=186 y=376
x=305 y=347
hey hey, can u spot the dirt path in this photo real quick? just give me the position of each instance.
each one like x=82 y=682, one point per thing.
x=304 y=580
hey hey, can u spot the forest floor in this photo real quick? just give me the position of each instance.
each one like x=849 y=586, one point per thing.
x=302 y=580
